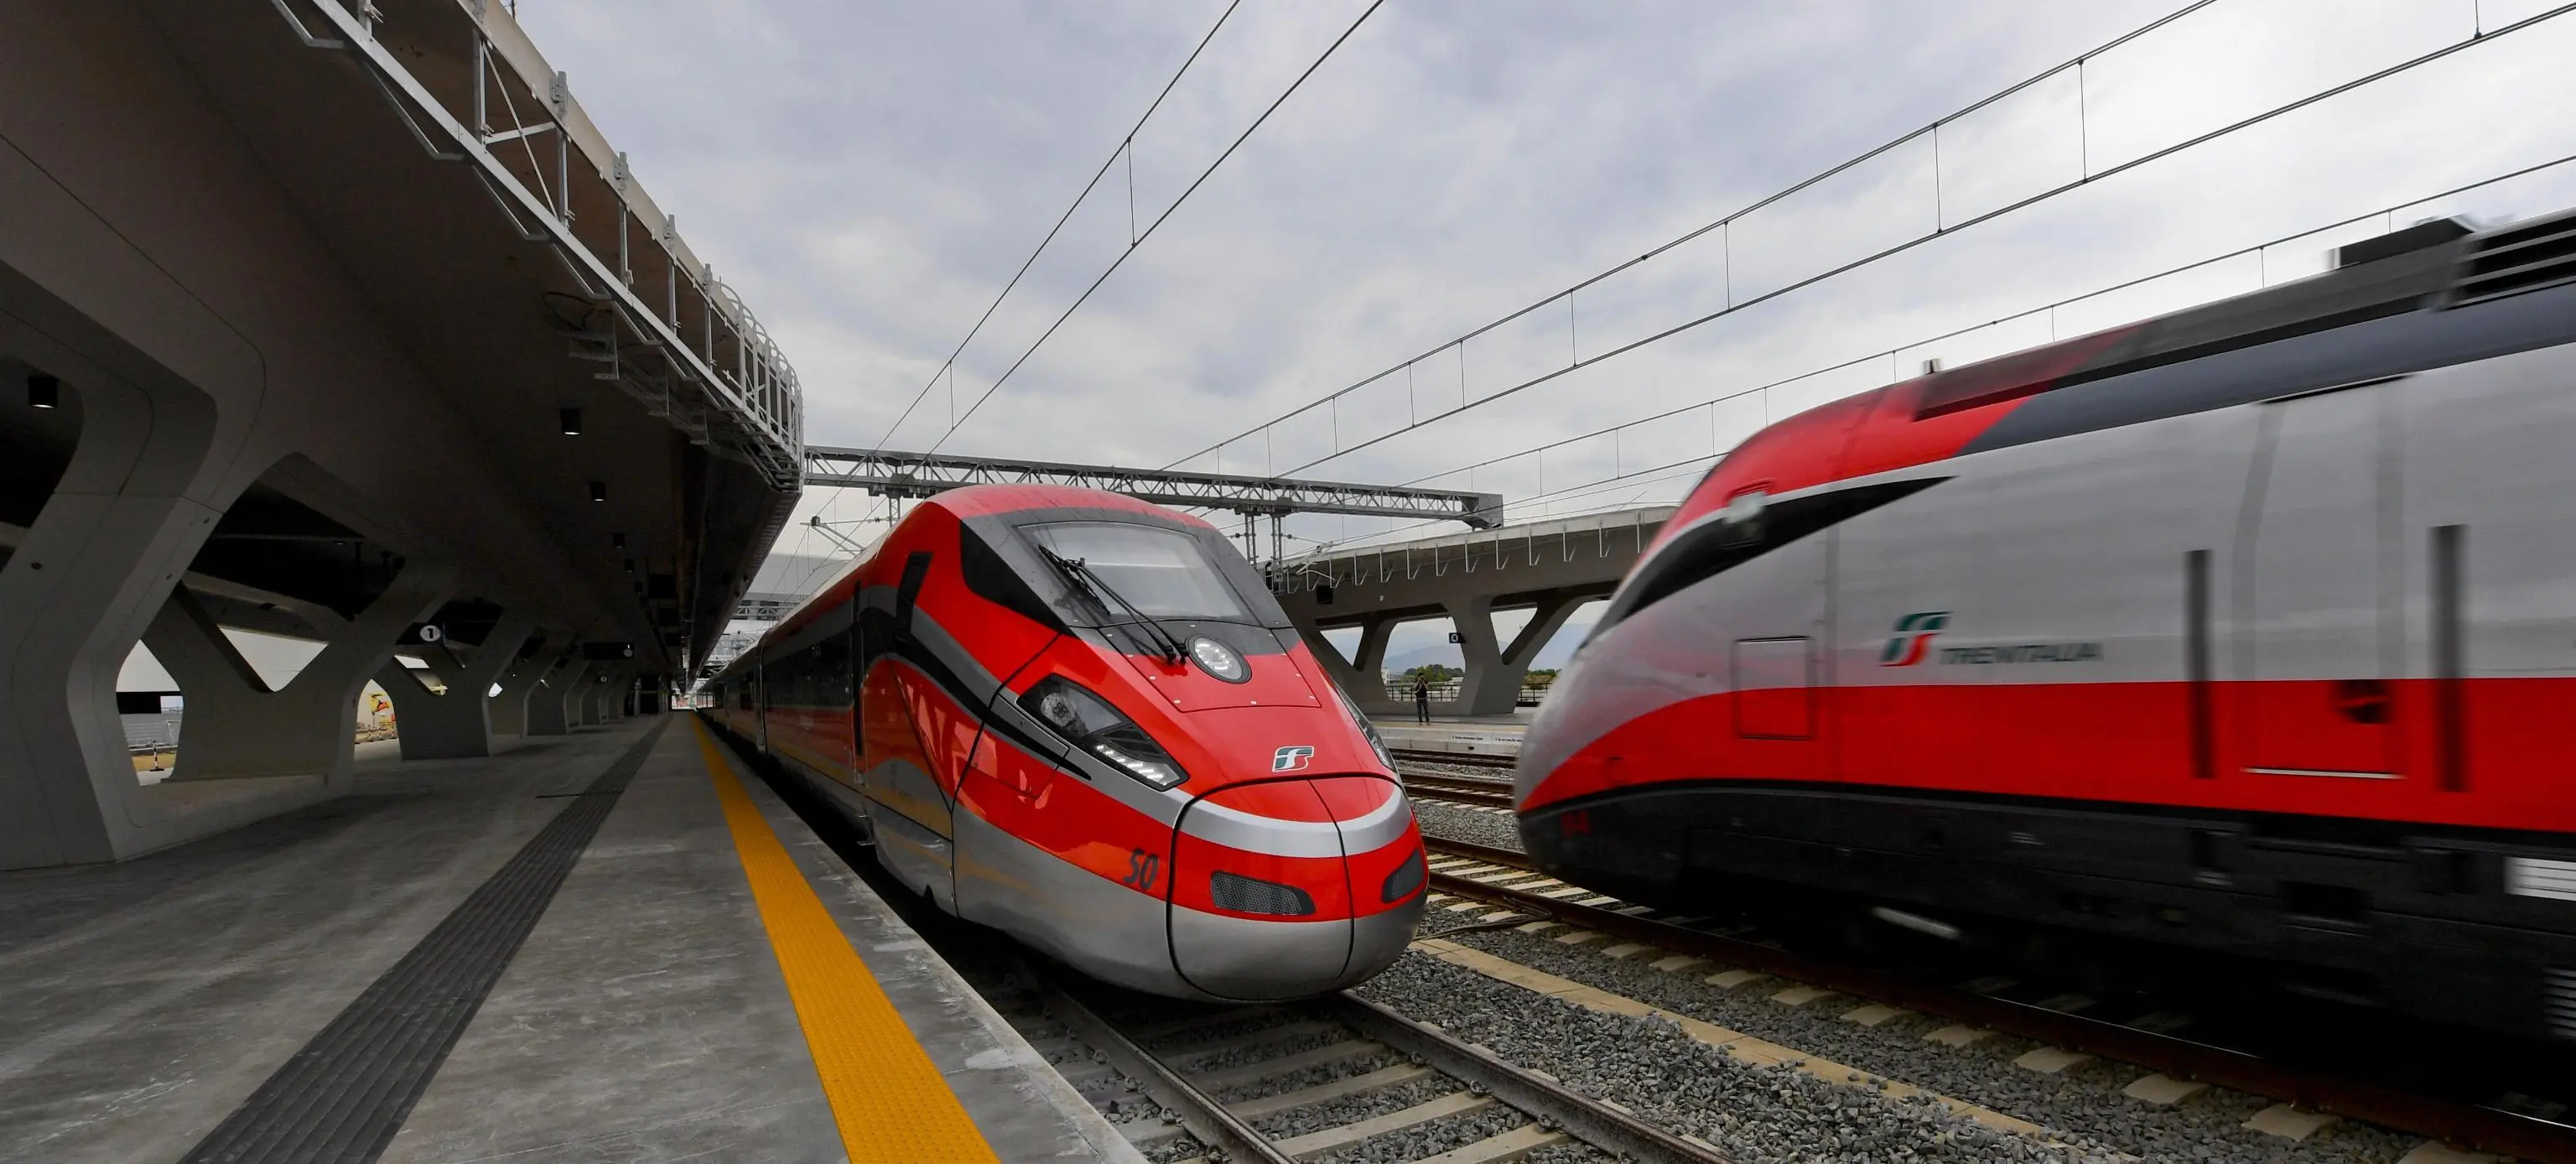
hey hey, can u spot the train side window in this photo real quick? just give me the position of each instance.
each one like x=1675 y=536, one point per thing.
x=992 y=578
x=916 y=570
x=1740 y=524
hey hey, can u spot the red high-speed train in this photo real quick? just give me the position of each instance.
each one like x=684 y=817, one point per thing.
x=2242 y=637
x=1082 y=720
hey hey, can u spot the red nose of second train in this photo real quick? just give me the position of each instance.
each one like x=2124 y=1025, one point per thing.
x=1287 y=888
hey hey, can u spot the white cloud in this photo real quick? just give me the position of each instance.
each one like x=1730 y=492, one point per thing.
x=870 y=174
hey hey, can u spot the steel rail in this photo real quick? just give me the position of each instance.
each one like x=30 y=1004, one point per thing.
x=1199 y=1112
x=1458 y=789
x=2451 y=1121
x=1461 y=759
x=1580 y=1116
x=1550 y=1103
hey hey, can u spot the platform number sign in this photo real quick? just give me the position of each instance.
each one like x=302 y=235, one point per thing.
x=1141 y=869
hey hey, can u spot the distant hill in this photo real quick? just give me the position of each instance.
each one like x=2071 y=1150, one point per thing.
x=1445 y=654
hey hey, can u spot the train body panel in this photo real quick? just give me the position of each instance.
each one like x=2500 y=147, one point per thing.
x=2257 y=647
x=1080 y=720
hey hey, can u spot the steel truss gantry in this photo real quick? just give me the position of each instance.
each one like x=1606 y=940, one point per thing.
x=894 y=474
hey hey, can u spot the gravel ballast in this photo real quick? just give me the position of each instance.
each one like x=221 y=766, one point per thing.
x=1456 y=822
x=2083 y=1103
x=1760 y=1115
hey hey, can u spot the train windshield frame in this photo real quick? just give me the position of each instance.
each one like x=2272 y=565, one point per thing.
x=1166 y=574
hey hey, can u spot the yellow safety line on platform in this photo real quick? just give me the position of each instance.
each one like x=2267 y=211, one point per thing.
x=887 y=1096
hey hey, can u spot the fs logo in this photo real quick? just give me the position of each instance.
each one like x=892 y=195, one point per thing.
x=1913 y=638
x=1292 y=758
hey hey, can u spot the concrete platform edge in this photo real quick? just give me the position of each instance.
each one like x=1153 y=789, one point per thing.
x=1024 y=1108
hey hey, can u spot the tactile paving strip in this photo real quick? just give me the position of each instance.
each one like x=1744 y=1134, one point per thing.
x=341 y=1098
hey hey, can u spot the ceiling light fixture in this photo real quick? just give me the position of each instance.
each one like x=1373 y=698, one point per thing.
x=571 y=420
x=599 y=490
x=43 y=391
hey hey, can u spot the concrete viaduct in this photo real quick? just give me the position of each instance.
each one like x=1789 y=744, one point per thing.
x=342 y=322
x=1547 y=567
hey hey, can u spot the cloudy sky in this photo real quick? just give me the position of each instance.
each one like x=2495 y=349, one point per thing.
x=869 y=175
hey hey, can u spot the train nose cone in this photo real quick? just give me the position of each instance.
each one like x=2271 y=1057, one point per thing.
x=1282 y=889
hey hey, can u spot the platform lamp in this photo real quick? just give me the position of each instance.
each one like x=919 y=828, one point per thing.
x=43 y=391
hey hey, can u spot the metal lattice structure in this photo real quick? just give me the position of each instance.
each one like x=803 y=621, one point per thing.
x=894 y=474
x=651 y=314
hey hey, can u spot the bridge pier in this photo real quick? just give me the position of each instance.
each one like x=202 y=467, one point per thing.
x=1550 y=568
x=1494 y=670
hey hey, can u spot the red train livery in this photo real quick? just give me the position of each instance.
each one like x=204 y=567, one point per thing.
x=1082 y=719
x=2243 y=636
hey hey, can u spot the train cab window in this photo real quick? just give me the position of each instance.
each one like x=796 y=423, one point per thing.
x=1165 y=573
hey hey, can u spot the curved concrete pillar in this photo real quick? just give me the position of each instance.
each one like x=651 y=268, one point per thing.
x=1359 y=678
x=602 y=698
x=521 y=679
x=237 y=727
x=99 y=560
x=458 y=723
x=1494 y=670
x=555 y=707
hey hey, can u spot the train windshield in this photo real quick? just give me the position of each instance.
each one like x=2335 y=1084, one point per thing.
x=1163 y=573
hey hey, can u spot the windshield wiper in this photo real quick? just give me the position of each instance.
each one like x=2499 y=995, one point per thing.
x=1077 y=570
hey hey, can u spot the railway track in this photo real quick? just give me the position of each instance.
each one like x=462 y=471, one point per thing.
x=1458 y=789
x=1185 y=1064
x=1503 y=878
x=1454 y=759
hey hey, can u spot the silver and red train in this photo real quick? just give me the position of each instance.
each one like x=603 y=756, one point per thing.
x=2243 y=635
x=1082 y=720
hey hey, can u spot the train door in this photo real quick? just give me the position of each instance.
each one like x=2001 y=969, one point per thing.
x=2320 y=641
x=1773 y=668
x=909 y=774
x=2487 y=453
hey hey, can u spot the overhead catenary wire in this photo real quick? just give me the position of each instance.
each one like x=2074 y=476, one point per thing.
x=1127 y=150
x=1720 y=224
x=2386 y=214
x=1156 y=225
x=1865 y=260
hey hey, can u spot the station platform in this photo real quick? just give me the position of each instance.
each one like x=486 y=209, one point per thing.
x=613 y=945
x=1479 y=735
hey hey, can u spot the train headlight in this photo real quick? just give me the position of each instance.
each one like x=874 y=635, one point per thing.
x=1405 y=881
x=1088 y=722
x=1220 y=660
x=1252 y=895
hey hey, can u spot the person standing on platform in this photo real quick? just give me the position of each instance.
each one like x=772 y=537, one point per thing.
x=1421 y=699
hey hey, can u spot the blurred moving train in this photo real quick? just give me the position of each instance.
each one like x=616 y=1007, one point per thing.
x=1082 y=720
x=2239 y=639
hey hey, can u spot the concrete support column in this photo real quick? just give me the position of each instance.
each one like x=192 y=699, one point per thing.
x=1359 y=677
x=1494 y=670
x=518 y=680
x=613 y=699
x=434 y=726
x=105 y=550
x=599 y=695
x=237 y=727
x=554 y=708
